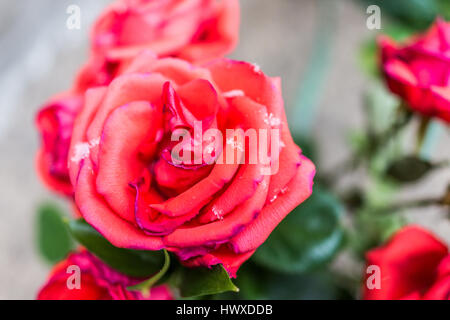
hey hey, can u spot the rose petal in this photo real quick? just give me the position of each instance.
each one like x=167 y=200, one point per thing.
x=123 y=90
x=225 y=227
x=95 y=211
x=120 y=159
x=200 y=194
x=298 y=190
x=230 y=260
x=93 y=99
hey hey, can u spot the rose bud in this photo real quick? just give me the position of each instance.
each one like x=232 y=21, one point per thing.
x=418 y=70
x=82 y=276
x=413 y=265
x=140 y=180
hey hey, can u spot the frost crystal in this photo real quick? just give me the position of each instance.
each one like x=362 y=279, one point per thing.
x=233 y=93
x=235 y=144
x=83 y=149
x=256 y=68
x=218 y=213
x=271 y=120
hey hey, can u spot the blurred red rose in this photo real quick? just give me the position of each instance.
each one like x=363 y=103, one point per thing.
x=97 y=281
x=195 y=30
x=128 y=186
x=54 y=122
x=419 y=70
x=413 y=265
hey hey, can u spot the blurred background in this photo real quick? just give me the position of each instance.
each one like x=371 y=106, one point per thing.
x=322 y=50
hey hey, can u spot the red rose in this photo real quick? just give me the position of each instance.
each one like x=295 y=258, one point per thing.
x=195 y=30
x=97 y=281
x=55 y=124
x=413 y=265
x=419 y=71
x=129 y=186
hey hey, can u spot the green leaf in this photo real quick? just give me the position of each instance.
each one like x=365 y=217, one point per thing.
x=136 y=263
x=146 y=285
x=311 y=286
x=53 y=237
x=408 y=169
x=444 y=9
x=380 y=107
x=308 y=238
x=367 y=58
x=380 y=191
x=194 y=282
x=372 y=229
x=308 y=146
x=258 y=283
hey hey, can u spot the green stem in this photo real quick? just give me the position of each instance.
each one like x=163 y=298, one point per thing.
x=145 y=286
x=421 y=134
x=442 y=164
x=431 y=139
x=421 y=203
x=402 y=119
x=340 y=170
x=446 y=199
